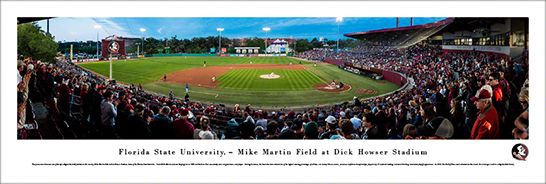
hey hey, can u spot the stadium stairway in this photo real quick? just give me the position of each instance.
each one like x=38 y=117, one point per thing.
x=50 y=125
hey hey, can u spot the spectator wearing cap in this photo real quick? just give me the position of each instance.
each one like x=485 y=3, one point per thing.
x=311 y=130
x=331 y=125
x=183 y=128
x=108 y=115
x=486 y=125
x=343 y=115
x=161 y=126
x=136 y=126
x=232 y=129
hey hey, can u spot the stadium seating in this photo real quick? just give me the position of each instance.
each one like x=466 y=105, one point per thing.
x=437 y=77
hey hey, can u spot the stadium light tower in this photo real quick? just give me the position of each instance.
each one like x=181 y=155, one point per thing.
x=142 y=30
x=338 y=21
x=220 y=29
x=97 y=27
x=266 y=29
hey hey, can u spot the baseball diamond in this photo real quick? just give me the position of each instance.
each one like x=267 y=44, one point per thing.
x=238 y=81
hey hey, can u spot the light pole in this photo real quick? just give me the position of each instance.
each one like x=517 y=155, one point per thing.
x=294 y=48
x=266 y=29
x=220 y=39
x=97 y=27
x=338 y=21
x=137 y=49
x=142 y=30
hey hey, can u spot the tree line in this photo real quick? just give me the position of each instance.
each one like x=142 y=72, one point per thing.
x=202 y=45
x=32 y=41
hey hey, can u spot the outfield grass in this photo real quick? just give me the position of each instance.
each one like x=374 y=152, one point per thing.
x=243 y=86
x=147 y=70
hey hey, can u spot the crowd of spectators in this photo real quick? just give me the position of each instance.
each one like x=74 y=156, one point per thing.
x=446 y=83
x=457 y=95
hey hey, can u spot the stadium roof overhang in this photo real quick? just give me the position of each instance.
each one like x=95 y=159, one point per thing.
x=22 y=20
x=471 y=24
x=451 y=25
x=475 y=24
x=390 y=32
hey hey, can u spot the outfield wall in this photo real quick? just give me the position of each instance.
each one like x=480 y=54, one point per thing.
x=334 y=61
x=394 y=77
x=170 y=55
x=390 y=76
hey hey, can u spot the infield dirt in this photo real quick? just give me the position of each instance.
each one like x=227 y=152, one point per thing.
x=203 y=76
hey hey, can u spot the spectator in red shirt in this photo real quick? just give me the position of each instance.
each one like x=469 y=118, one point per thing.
x=183 y=129
x=500 y=96
x=487 y=122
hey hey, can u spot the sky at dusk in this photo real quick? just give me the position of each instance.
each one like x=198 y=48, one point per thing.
x=84 y=29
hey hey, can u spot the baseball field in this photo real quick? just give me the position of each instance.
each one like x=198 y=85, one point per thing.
x=269 y=82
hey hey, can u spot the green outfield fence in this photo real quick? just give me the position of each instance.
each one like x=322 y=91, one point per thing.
x=170 y=55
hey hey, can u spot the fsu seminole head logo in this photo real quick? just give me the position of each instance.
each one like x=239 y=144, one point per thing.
x=114 y=47
x=520 y=151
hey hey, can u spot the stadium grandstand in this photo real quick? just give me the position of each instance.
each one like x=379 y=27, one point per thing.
x=462 y=78
x=401 y=36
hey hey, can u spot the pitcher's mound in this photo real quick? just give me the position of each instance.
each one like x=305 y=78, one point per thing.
x=270 y=76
